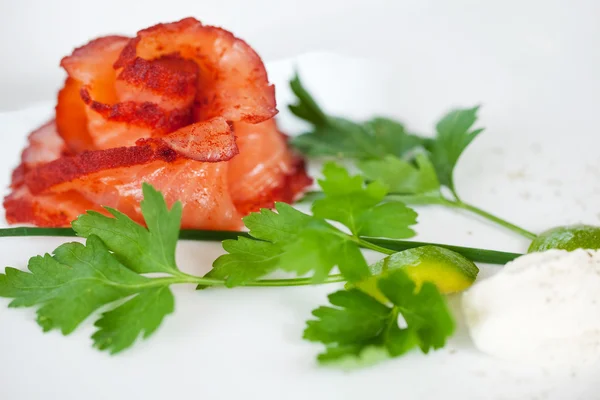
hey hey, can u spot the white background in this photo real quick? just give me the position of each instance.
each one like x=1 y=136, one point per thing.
x=534 y=67
x=439 y=37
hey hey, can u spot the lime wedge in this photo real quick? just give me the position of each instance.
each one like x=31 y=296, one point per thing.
x=448 y=270
x=567 y=238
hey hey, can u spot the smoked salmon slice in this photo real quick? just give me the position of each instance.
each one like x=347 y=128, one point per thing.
x=185 y=107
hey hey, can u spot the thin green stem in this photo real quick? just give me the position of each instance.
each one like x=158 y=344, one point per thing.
x=476 y=210
x=386 y=246
x=185 y=278
x=418 y=199
x=27 y=231
x=455 y=194
x=372 y=246
x=436 y=199
x=295 y=281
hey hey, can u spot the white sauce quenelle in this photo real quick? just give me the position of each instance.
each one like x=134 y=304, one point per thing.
x=542 y=309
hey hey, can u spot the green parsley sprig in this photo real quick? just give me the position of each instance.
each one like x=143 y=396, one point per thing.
x=115 y=270
x=296 y=242
x=414 y=168
x=359 y=322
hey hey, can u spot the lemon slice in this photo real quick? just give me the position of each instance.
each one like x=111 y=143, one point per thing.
x=448 y=270
x=567 y=238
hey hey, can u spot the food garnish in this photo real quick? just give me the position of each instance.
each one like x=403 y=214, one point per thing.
x=414 y=168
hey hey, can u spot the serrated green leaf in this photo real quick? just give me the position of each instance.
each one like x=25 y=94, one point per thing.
x=306 y=107
x=60 y=283
x=141 y=249
x=346 y=197
x=349 y=201
x=357 y=318
x=78 y=279
x=424 y=311
x=401 y=176
x=291 y=241
x=319 y=251
x=247 y=261
x=358 y=322
x=277 y=227
x=391 y=138
x=340 y=137
x=454 y=134
x=120 y=327
x=389 y=220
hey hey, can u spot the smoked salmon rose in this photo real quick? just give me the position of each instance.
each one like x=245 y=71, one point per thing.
x=185 y=107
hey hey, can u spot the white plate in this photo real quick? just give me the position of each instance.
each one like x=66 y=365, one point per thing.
x=536 y=164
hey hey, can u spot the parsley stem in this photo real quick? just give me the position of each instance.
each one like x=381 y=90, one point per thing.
x=182 y=277
x=186 y=278
x=372 y=246
x=476 y=210
x=439 y=200
x=295 y=281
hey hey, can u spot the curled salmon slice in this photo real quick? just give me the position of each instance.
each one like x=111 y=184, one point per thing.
x=183 y=106
x=112 y=118
x=232 y=81
x=168 y=76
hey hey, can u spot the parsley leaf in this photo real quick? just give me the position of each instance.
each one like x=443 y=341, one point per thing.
x=416 y=183
x=279 y=227
x=290 y=240
x=358 y=322
x=306 y=107
x=454 y=134
x=380 y=145
x=140 y=249
x=79 y=279
x=247 y=260
x=142 y=315
x=390 y=137
x=402 y=176
x=320 y=251
x=340 y=137
x=349 y=201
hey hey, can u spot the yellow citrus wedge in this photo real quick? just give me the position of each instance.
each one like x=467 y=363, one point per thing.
x=448 y=270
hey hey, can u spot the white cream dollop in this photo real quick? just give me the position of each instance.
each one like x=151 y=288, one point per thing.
x=542 y=309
